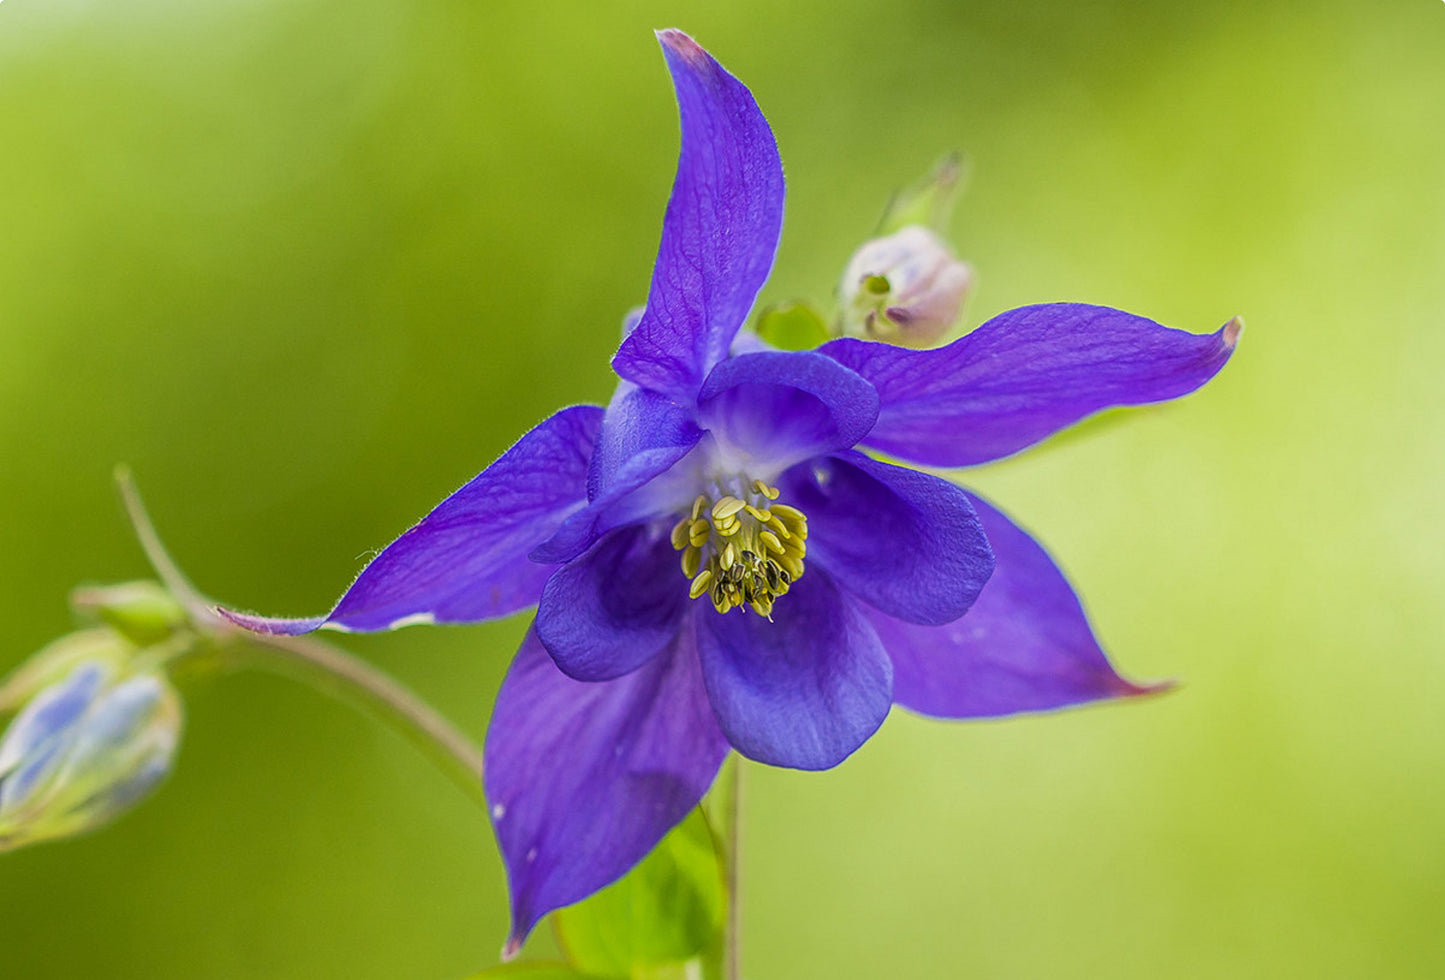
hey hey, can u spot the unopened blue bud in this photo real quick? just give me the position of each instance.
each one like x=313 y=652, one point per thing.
x=58 y=659
x=84 y=750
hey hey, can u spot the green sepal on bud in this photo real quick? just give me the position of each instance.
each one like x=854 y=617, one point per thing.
x=85 y=749
x=929 y=202
x=143 y=612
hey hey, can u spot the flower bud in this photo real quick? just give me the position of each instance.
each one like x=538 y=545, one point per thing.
x=143 y=612
x=83 y=750
x=55 y=662
x=905 y=288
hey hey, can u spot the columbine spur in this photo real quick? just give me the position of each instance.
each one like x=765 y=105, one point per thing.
x=716 y=565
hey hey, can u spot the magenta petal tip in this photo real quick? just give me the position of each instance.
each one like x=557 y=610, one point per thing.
x=269 y=626
x=1232 y=331
x=1128 y=689
x=671 y=37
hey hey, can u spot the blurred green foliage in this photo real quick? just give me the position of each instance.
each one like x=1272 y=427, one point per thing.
x=667 y=911
x=308 y=265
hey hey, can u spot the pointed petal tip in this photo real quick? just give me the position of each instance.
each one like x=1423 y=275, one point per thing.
x=269 y=626
x=1232 y=331
x=679 y=41
x=1128 y=689
x=513 y=948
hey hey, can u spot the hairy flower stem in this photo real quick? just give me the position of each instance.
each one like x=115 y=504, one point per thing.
x=313 y=662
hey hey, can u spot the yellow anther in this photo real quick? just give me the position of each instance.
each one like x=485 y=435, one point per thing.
x=701 y=583
x=691 y=561
x=741 y=553
x=727 y=507
x=789 y=514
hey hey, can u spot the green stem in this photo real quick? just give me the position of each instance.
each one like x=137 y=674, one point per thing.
x=314 y=662
x=724 y=812
x=735 y=895
x=327 y=669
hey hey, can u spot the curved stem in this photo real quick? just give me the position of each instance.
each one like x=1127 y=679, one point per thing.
x=166 y=569
x=314 y=662
x=322 y=666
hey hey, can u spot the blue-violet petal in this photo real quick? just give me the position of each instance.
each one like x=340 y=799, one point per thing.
x=720 y=231
x=585 y=778
x=644 y=435
x=905 y=542
x=466 y=561
x=1024 y=375
x=804 y=690
x=611 y=610
x=1024 y=646
x=772 y=409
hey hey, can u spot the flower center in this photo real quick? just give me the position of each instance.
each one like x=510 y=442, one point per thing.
x=742 y=550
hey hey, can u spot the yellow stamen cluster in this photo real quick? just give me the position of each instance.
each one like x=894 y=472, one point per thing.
x=742 y=551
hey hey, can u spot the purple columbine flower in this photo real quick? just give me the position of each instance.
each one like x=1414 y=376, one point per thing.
x=715 y=562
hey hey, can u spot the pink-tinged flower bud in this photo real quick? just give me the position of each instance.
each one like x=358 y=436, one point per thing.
x=905 y=288
x=84 y=750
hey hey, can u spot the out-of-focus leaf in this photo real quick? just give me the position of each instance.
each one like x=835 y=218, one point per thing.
x=793 y=326
x=667 y=910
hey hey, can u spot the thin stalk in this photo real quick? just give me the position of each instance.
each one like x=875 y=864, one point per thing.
x=734 y=876
x=313 y=662
x=327 y=669
x=729 y=830
x=201 y=609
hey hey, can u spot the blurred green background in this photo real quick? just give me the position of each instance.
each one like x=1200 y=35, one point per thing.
x=308 y=265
